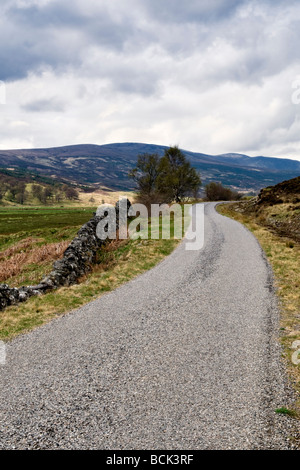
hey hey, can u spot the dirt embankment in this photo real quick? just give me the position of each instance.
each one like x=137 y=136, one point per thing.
x=278 y=208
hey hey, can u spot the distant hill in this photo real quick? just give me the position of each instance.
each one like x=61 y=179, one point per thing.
x=108 y=165
x=20 y=186
x=19 y=175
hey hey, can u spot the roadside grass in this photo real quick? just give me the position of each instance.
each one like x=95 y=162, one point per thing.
x=121 y=261
x=283 y=255
x=285 y=411
x=118 y=262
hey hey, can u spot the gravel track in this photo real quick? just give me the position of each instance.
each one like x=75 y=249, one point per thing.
x=185 y=356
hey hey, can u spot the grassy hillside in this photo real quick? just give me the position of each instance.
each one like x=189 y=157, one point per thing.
x=21 y=187
x=108 y=165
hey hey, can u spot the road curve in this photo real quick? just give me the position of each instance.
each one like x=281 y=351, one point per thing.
x=183 y=357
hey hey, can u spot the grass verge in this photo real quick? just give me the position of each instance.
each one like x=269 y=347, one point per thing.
x=283 y=254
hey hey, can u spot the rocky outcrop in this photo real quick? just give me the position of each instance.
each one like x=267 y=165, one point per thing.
x=284 y=192
x=77 y=261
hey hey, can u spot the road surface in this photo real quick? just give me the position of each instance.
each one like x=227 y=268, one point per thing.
x=183 y=357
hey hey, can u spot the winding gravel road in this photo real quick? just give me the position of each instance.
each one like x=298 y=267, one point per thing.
x=183 y=357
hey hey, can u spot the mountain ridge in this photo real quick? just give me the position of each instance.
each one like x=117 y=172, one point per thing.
x=108 y=165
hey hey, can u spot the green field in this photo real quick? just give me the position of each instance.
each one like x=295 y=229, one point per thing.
x=31 y=239
x=52 y=224
x=28 y=219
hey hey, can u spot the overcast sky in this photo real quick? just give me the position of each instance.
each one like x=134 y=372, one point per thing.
x=211 y=76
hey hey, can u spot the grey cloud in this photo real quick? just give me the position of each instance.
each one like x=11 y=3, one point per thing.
x=64 y=36
x=47 y=105
x=193 y=10
x=136 y=82
x=59 y=34
x=56 y=35
x=56 y=15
